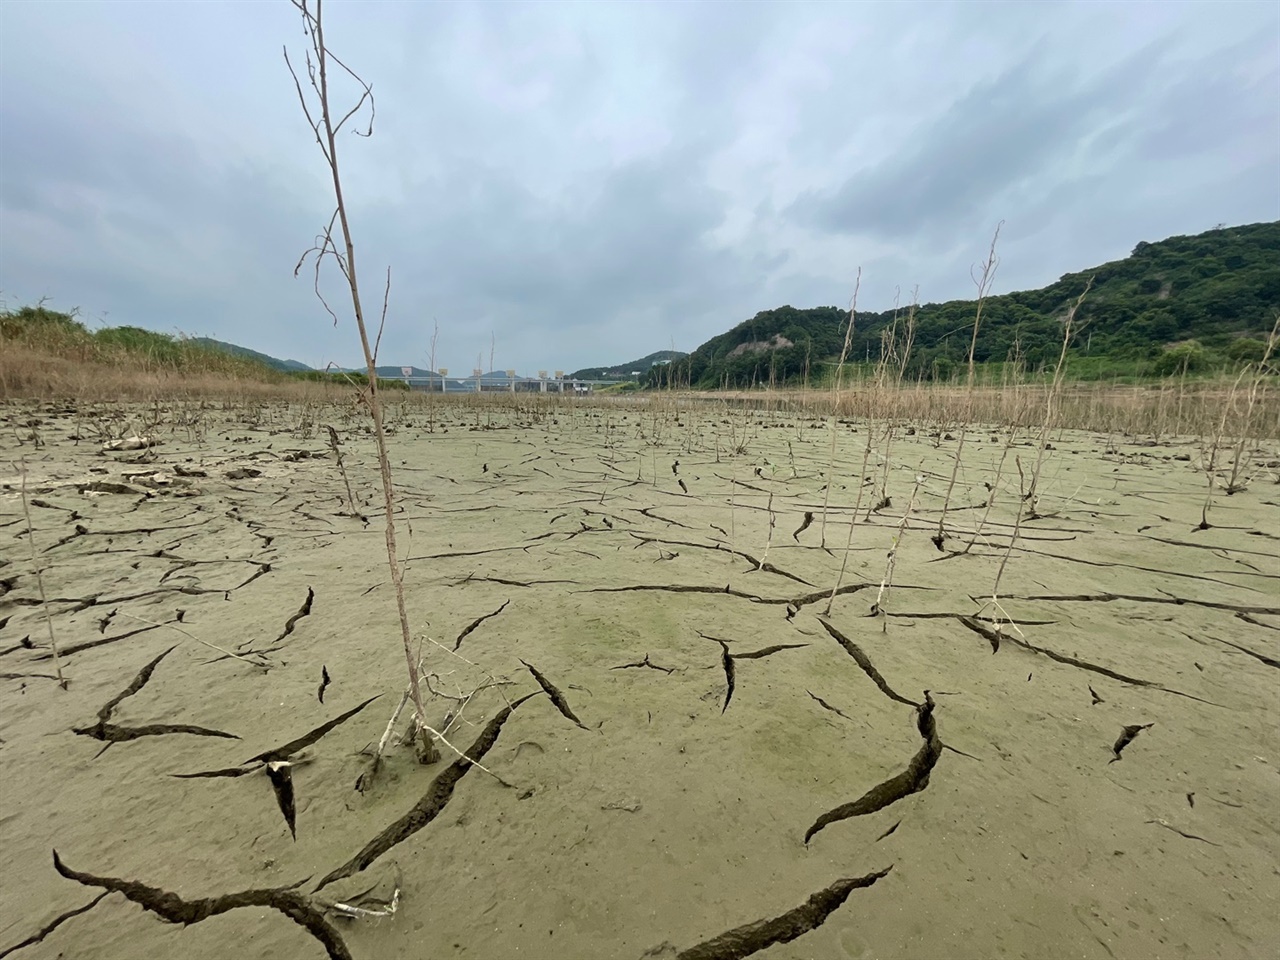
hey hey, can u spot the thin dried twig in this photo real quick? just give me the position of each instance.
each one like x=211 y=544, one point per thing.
x=447 y=650
x=212 y=646
x=35 y=563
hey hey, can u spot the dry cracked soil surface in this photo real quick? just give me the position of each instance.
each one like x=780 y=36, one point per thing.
x=622 y=614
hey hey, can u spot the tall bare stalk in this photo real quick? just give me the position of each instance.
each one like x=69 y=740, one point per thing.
x=39 y=571
x=835 y=412
x=319 y=116
x=431 y=394
x=984 y=279
x=886 y=582
x=1050 y=409
x=1235 y=482
x=866 y=450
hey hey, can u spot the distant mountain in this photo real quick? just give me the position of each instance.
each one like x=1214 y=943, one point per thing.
x=634 y=370
x=235 y=350
x=1209 y=300
x=397 y=373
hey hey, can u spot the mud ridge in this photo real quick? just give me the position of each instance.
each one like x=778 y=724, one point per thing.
x=845 y=590
x=768 y=651
x=726 y=660
x=1127 y=736
x=826 y=706
x=865 y=663
x=54 y=924
x=475 y=623
x=718 y=548
x=679 y=588
x=1257 y=656
x=648 y=512
x=90 y=644
x=28 y=676
x=1129 y=566
x=303 y=611
x=279 y=754
x=994 y=637
x=911 y=780
x=173 y=908
x=554 y=693
x=307 y=739
x=432 y=803
x=804 y=525
x=1176 y=601
x=506 y=583
x=956 y=616
x=110 y=733
x=646 y=662
x=1243 y=616
x=280 y=773
x=752 y=937
x=97 y=600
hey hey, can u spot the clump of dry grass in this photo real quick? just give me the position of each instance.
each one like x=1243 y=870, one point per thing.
x=34 y=371
x=1103 y=408
x=44 y=352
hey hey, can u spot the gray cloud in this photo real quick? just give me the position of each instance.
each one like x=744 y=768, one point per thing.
x=588 y=183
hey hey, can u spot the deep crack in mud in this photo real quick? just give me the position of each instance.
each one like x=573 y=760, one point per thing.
x=554 y=693
x=864 y=662
x=431 y=805
x=173 y=908
x=110 y=733
x=911 y=780
x=752 y=937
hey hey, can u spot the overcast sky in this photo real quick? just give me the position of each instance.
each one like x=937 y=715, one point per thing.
x=585 y=183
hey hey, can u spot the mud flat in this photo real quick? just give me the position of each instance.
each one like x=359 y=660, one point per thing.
x=626 y=608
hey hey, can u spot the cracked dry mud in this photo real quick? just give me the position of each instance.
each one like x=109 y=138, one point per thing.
x=610 y=569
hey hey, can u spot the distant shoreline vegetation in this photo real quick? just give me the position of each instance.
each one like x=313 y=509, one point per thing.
x=52 y=334
x=1196 y=306
x=61 y=335
x=1185 y=306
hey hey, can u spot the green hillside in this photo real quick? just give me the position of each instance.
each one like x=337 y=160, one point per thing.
x=1220 y=289
x=286 y=366
x=632 y=370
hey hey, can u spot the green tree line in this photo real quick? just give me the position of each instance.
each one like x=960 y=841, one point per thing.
x=1185 y=304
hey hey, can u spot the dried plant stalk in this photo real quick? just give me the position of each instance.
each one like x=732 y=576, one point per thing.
x=320 y=117
x=1050 y=410
x=835 y=411
x=35 y=563
x=983 y=281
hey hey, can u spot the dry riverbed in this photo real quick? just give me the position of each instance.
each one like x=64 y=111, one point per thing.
x=622 y=619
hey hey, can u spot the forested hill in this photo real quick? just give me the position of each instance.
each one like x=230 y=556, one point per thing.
x=631 y=370
x=287 y=366
x=1220 y=289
